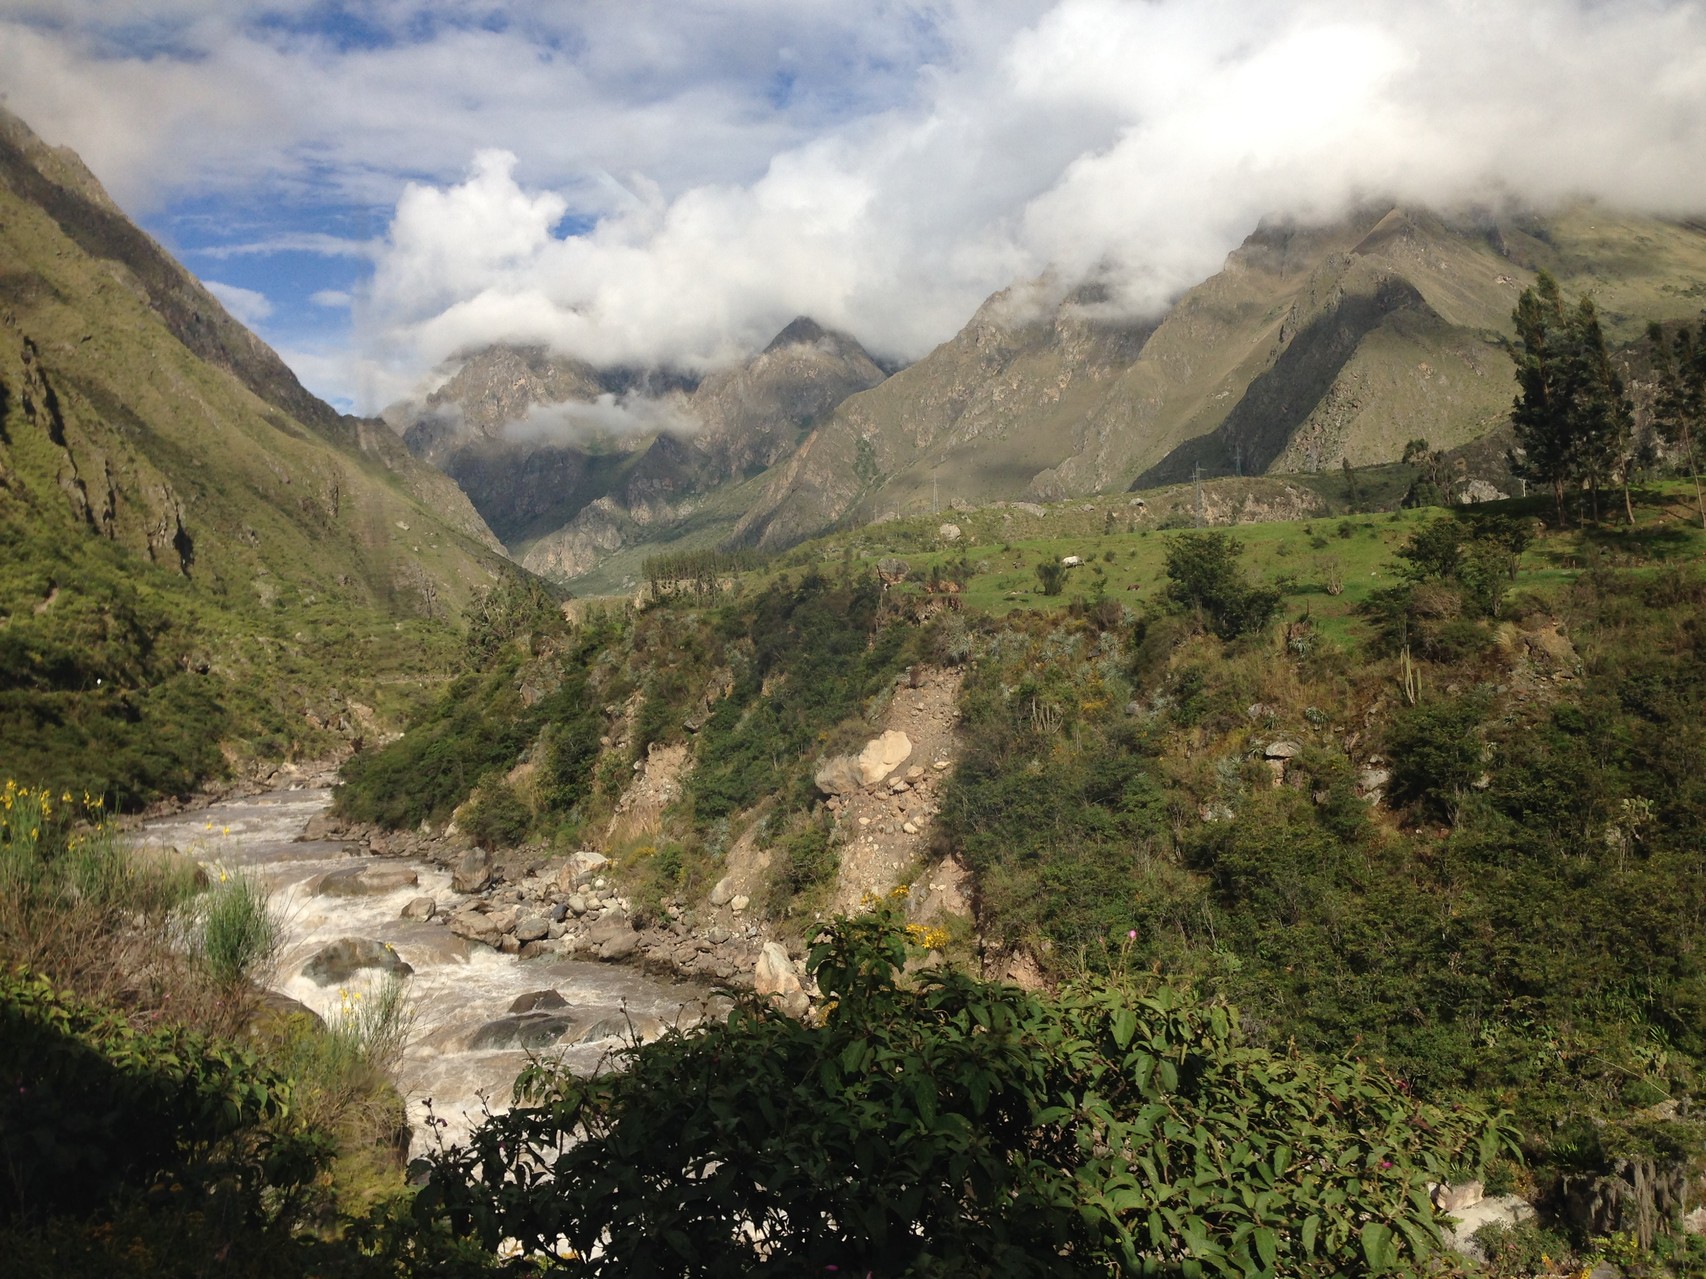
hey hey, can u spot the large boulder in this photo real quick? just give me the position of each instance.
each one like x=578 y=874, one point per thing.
x=613 y=938
x=580 y=869
x=473 y=872
x=775 y=979
x=420 y=908
x=846 y=774
x=335 y=964
x=365 y=881
x=535 y=1001
x=538 y=1029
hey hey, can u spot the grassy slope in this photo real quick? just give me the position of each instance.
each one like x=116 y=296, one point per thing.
x=317 y=569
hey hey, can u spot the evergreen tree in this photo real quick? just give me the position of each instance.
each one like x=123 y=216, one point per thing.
x=1679 y=409
x=1573 y=421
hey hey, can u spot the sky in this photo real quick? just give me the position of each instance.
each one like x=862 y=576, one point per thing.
x=377 y=188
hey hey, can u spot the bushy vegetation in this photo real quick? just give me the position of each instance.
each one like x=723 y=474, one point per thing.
x=950 y=1126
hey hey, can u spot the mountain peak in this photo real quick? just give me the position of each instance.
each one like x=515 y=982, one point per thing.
x=802 y=330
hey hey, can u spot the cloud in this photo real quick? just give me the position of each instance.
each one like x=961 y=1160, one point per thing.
x=609 y=417
x=248 y=305
x=338 y=299
x=670 y=181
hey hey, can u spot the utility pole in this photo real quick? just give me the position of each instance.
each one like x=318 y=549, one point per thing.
x=1196 y=476
x=933 y=493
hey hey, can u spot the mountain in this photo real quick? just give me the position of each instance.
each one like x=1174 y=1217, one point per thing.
x=174 y=501
x=529 y=436
x=1313 y=345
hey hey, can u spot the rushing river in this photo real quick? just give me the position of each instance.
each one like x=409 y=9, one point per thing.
x=457 y=987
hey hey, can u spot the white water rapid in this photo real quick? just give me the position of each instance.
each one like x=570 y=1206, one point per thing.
x=457 y=986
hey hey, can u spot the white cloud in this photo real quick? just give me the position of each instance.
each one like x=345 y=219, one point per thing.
x=672 y=181
x=248 y=305
x=337 y=299
x=606 y=418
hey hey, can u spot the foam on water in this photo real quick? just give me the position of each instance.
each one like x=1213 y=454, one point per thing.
x=457 y=986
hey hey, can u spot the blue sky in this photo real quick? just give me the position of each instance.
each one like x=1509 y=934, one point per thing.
x=377 y=187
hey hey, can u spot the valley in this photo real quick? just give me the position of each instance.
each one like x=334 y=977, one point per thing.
x=1211 y=791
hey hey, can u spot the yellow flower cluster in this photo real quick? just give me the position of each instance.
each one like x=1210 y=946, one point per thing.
x=929 y=938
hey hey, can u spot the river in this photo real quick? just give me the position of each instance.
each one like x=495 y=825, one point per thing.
x=457 y=986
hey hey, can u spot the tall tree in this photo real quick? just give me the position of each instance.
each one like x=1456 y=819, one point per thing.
x=1573 y=421
x=1679 y=409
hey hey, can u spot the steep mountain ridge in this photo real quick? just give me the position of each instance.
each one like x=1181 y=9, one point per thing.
x=150 y=452
x=564 y=496
x=1313 y=344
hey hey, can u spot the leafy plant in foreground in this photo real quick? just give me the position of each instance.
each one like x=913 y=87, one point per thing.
x=955 y=1126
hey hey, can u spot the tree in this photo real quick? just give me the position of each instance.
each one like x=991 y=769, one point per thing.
x=1573 y=421
x=1051 y=576
x=1679 y=409
x=1428 y=489
x=1205 y=575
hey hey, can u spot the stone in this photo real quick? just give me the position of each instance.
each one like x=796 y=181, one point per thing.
x=172 y=862
x=538 y=1001
x=620 y=946
x=773 y=977
x=533 y=949
x=900 y=786
x=531 y=1029
x=335 y=964
x=577 y=905
x=365 y=881
x=910 y=828
x=472 y=872
x=642 y=1029
x=893 y=570
x=948 y=532
x=1452 y=1199
x=477 y=926
x=274 y=1007
x=1479 y=491
x=739 y=903
x=941 y=765
x=1283 y=749
x=1373 y=779
x=531 y=928
x=420 y=908
x=915 y=772
x=724 y=892
x=1504 y=1210
x=508 y=944
x=716 y=935
x=580 y=869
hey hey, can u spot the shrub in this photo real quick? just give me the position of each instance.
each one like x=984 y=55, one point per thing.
x=237 y=931
x=953 y=1126
x=498 y=818
x=1205 y=575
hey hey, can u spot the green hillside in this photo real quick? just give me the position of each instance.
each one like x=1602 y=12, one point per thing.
x=203 y=563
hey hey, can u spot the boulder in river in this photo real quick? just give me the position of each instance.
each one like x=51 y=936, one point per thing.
x=336 y=963
x=523 y=1030
x=365 y=881
x=538 y=1001
x=420 y=908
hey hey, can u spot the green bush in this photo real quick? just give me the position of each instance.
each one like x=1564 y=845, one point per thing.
x=237 y=931
x=498 y=817
x=953 y=1126
x=1204 y=574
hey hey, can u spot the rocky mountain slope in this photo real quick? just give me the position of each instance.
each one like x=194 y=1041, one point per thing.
x=529 y=437
x=150 y=444
x=1313 y=345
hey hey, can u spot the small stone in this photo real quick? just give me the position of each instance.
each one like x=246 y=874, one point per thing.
x=915 y=772
x=509 y=945
x=577 y=905
x=531 y=928
x=740 y=903
x=901 y=786
x=911 y=828
x=940 y=765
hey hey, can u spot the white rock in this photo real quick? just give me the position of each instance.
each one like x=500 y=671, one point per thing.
x=1505 y=1210
x=949 y=532
x=739 y=903
x=724 y=892
x=883 y=755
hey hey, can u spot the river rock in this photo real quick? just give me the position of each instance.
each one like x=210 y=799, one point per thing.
x=531 y=928
x=535 y=1001
x=335 y=964
x=420 y=908
x=642 y=1029
x=365 y=881
x=774 y=978
x=275 y=1008
x=473 y=872
x=613 y=938
x=577 y=904
x=170 y=862
x=580 y=868
x=523 y=1030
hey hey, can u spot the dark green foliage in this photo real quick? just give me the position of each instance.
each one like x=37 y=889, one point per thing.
x=497 y=818
x=821 y=652
x=955 y=1127
x=1573 y=421
x=1679 y=406
x=90 y=1109
x=1205 y=575
x=1436 y=751
x=1051 y=577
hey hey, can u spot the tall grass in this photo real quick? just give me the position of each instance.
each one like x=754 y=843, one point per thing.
x=238 y=933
